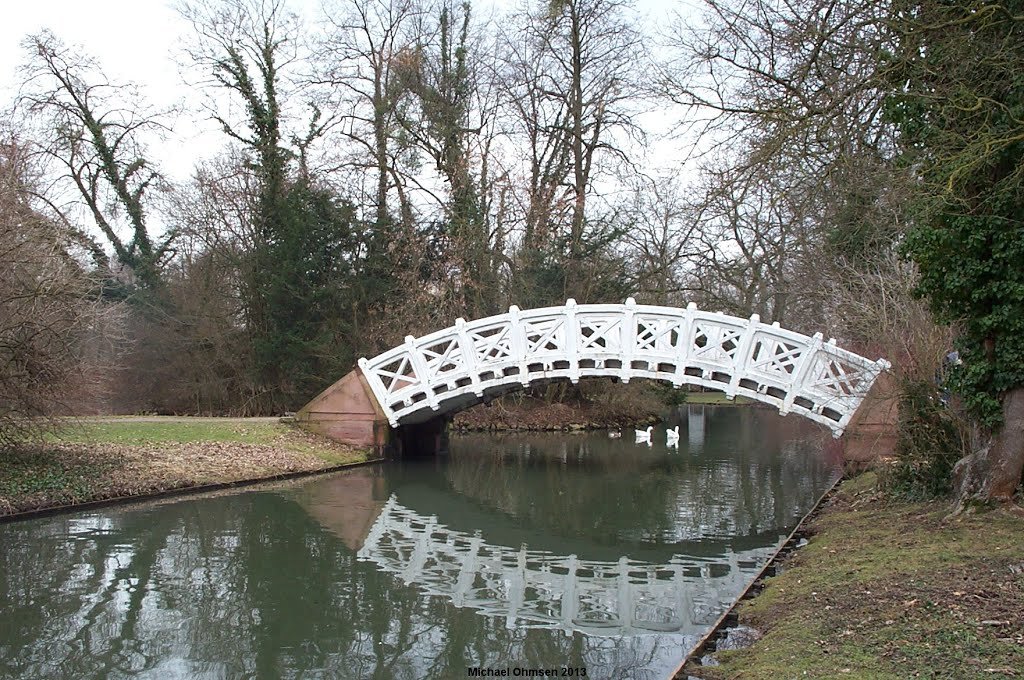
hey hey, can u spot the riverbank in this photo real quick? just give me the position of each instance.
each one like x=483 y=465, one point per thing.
x=619 y=407
x=109 y=458
x=537 y=415
x=889 y=590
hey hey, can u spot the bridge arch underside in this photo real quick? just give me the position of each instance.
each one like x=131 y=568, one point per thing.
x=456 y=368
x=452 y=401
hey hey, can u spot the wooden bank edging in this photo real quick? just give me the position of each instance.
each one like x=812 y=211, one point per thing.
x=729 y=617
x=178 y=491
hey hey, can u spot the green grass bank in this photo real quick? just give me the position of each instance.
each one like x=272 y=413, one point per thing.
x=886 y=589
x=106 y=458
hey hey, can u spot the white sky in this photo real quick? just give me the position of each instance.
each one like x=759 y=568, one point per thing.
x=137 y=40
x=133 y=40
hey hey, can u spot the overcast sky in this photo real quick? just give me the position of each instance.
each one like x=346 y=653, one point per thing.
x=138 y=40
x=132 y=39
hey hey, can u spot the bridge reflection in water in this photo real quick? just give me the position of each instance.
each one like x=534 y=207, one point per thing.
x=695 y=426
x=538 y=589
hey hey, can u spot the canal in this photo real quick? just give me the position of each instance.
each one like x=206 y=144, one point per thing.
x=517 y=551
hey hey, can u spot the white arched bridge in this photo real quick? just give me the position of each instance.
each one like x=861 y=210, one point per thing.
x=451 y=369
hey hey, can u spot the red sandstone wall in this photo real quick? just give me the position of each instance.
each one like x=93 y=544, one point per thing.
x=347 y=412
x=871 y=433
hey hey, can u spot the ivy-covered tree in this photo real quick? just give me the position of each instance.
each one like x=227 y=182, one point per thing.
x=308 y=339
x=94 y=132
x=960 y=109
x=443 y=77
x=299 y=244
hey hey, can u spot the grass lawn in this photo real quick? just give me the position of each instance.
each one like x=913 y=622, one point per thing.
x=891 y=590
x=94 y=459
x=181 y=430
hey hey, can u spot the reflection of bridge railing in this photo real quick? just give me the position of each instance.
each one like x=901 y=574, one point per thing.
x=540 y=590
x=789 y=370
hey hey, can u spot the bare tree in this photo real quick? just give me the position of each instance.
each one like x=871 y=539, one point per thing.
x=661 y=241
x=45 y=309
x=799 y=173
x=97 y=130
x=753 y=230
x=572 y=80
x=359 y=58
x=800 y=79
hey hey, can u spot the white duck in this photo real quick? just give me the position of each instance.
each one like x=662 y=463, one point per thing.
x=614 y=434
x=644 y=435
x=673 y=436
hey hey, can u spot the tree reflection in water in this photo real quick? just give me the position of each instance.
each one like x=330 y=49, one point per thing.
x=267 y=583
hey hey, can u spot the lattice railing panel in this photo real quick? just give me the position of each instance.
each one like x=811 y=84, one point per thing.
x=773 y=357
x=599 y=333
x=442 y=357
x=456 y=366
x=492 y=343
x=544 y=336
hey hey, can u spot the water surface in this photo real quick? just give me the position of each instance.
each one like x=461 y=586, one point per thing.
x=514 y=551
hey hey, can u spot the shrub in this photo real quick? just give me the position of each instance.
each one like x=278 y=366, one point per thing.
x=931 y=439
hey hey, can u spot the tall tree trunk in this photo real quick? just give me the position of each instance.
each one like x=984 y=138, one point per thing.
x=993 y=472
x=380 y=147
x=574 y=273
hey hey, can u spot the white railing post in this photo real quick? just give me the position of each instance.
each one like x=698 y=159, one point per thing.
x=742 y=360
x=572 y=349
x=516 y=589
x=378 y=389
x=624 y=605
x=419 y=365
x=467 y=572
x=628 y=342
x=685 y=344
x=517 y=337
x=810 y=354
x=468 y=356
x=420 y=554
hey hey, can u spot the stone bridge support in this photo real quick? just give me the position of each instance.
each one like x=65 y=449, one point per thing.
x=347 y=412
x=871 y=433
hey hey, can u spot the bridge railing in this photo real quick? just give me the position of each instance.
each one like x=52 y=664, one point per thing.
x=789 y=370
